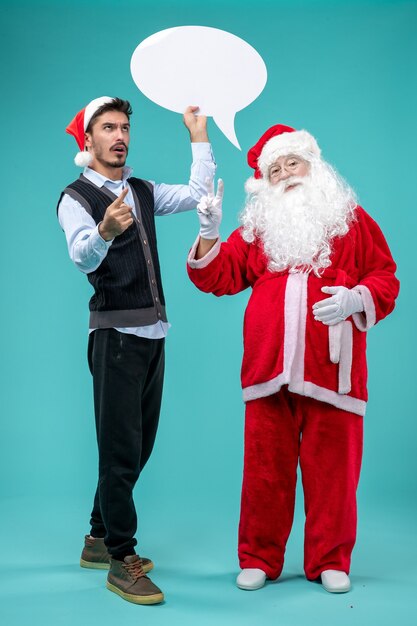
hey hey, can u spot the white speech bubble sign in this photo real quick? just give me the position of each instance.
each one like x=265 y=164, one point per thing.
x=203 y=66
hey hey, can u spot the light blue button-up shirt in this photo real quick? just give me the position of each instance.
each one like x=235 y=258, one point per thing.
x=87 y=248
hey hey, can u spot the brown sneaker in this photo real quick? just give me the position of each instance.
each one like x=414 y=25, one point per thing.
x=95 y=555
x=127 y=578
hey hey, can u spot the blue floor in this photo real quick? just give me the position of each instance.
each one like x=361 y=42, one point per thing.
x=195 y=564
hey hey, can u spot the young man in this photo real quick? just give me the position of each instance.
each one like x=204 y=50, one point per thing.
x=304 y=366
x=108 y=219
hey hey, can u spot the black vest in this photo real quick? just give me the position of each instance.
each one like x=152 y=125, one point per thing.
x=127 y=284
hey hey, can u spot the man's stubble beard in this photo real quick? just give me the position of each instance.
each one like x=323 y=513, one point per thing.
x=98 y=155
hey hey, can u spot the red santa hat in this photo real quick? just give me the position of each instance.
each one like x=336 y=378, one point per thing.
x=277 y=141
x=78 y=126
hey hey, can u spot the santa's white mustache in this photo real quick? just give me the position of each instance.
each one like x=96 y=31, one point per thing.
x=289 y=182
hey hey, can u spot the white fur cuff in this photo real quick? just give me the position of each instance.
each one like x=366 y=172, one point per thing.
x=198 y=264
x=364 y=321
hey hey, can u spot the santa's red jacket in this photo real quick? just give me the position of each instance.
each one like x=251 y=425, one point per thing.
x=283 y=343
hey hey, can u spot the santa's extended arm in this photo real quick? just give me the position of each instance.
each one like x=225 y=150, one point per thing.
x=223 y=271
x=215 y=267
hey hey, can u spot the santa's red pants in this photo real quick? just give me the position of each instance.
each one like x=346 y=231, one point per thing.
x=280 y=430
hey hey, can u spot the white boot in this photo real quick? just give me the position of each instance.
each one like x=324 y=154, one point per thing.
x=335 y=581
x=251 y=578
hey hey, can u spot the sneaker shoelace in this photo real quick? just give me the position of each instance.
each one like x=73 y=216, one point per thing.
x=135 y=570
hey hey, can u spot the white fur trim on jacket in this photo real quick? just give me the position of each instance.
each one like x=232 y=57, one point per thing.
x=344 y=402
x=340 y=343
x=364 y=321
x=197 y=264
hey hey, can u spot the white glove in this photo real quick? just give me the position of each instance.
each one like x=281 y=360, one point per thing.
x=341 y=305
x=209 y=210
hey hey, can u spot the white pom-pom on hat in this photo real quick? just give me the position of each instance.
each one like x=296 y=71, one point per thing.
x=82 y=159
x=79 y=124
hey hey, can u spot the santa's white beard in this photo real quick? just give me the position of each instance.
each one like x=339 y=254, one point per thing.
x=296 y=226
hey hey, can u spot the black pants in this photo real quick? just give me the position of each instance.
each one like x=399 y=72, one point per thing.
x=128 y=374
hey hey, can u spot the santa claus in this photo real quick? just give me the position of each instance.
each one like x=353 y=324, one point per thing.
x=321 y=275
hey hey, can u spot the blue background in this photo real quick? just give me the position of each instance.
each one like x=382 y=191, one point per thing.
x=346 y=71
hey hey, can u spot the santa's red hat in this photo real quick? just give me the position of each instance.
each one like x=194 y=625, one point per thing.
x=78 y=126
x=277 y=141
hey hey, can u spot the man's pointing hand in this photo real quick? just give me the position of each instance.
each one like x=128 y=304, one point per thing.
x=117 y=218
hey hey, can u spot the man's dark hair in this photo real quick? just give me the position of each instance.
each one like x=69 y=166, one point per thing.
x=115 y=105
